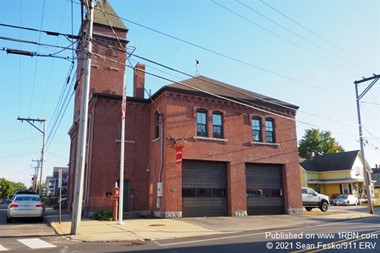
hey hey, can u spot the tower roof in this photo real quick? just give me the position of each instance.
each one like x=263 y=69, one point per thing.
x=109 y=13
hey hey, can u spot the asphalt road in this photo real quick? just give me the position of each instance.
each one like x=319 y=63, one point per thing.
x=360 y=235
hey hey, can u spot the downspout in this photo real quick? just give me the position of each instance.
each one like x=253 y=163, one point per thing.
x=159 y=184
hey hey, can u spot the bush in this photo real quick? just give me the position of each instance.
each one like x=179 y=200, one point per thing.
x=102 y=214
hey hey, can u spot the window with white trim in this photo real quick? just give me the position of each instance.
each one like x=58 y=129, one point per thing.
x=269 y=130
x=202 y=123
x=217 y=125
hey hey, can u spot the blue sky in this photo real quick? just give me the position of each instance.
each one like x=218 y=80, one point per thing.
x=307 y=53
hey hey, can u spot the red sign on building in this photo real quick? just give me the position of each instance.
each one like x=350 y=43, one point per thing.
x=178 y=155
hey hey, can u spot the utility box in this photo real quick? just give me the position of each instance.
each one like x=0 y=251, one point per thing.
x=159 y=189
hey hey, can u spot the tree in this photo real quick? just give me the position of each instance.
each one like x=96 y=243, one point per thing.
x=19 y=186
x=319 y=142
x=6 y=187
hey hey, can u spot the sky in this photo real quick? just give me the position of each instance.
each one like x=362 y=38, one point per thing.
x=308 y=53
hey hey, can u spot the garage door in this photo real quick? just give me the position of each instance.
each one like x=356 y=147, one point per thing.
x=204 y=188
x=264 y=189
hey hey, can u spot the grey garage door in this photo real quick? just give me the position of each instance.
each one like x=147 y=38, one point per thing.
x=264 y=189
x=204 y=188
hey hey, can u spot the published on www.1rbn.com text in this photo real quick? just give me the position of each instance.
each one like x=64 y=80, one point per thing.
x=310 y=241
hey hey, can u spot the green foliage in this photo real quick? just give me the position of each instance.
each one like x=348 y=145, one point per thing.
x=319 y=142
x=102 y=214
x=7 y=188
x=50 y=200
x=20 y=186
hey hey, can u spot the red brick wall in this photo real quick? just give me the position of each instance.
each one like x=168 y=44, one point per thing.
x=104 y=154
x=106 y=74
x=142 y=161
x=180 y=121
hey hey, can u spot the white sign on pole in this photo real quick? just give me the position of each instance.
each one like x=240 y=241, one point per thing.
x=60 y=178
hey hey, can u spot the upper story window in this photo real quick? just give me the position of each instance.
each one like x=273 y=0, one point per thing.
x=202 y=123
x=217 y=125
x=256 y=129
x=156 y=125
x=269 y=131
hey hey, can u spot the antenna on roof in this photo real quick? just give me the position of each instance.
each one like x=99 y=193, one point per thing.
x=196 y=67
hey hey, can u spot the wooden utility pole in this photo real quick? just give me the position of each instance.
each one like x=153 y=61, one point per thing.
x=82 y=134
x=43 y=131
x=366 y=171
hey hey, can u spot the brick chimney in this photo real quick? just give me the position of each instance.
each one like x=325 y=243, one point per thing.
x=139 y=81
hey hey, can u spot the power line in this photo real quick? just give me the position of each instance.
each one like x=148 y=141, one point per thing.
x=51 y=33
x=279 y=36
x=271 y=102
x=294 y=80
x=294 y=33
x=36 y=62
x=38 y=44
x=61 y=107
x=221 y=97
x=314 y=33
x=32 y=54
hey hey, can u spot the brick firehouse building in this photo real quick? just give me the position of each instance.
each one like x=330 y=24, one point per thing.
x=199 y=147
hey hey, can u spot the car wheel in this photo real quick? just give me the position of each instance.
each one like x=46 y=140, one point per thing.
x=324 y=206
x=9 y=220
x=41 y=219
x=308 y=208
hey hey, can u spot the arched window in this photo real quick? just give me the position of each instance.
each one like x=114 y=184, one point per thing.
x=256 y=129
x=217 y=125
x=202 y=123
x=269 y=130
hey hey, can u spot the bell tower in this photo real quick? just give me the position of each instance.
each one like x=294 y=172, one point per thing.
x=108 y=55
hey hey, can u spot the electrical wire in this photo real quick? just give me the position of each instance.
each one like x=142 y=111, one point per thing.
x=36 y=62
x=296 y=34
x=294 y=80
x=104 y=13
x=214 y=95
x=61 y=107
x=281 y=37
x=127 y=57
x=36 y=43
x=314 y=33
x=237 y=91
x=68 y=36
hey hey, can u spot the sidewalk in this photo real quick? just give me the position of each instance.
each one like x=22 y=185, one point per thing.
x=159 y=229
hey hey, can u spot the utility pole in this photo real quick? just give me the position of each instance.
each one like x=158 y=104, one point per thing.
x=82 y=134
x=35 y=178
x=43 y=131
x=367 y=172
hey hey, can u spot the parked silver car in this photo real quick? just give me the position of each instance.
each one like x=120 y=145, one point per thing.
x=26 y=206
x=345 y=200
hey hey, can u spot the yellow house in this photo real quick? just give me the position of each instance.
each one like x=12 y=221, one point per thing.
x=376 y=180
x=334 y=174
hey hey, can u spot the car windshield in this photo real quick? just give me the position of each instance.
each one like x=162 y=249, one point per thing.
x=26 y=198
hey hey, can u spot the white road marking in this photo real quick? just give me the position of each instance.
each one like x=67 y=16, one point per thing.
x=2 y=248
x=36 y=243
